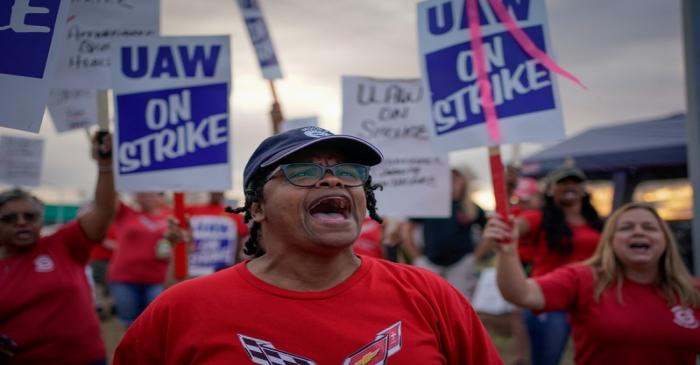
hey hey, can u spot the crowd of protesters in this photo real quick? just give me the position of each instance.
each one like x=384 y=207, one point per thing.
x=554 y=257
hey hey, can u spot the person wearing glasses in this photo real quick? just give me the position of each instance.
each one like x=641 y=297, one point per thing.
x=306 y=298
x=46 y=307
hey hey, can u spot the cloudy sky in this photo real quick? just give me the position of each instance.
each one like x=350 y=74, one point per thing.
x=627 y=52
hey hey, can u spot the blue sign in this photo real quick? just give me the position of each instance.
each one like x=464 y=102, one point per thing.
x=26 y=30
x=173 y=128
x=215 y=244
x=519 y=84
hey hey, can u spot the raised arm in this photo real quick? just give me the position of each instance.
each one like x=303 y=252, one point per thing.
x=96 y=221
x=510 y=275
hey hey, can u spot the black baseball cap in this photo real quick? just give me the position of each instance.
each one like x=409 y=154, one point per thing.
x=565 y=172
x=275 y=148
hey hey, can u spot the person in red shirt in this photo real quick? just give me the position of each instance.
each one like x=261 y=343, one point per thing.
x=46 y=308
x=632 y=302
x=217 y=236
x=565 y=229
x=306 y=298
x=139 y=264
x=369 y=243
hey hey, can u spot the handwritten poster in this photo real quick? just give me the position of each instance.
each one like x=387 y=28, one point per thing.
x=172 y=114
x=392 y=115
x=72 y=109
x=30 y=40
x=21 y=160
x=524 y=92
x=86 y=56
x=260 y=36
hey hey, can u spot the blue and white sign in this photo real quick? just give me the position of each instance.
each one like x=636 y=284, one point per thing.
x=30 y=36
x=524 y=92
x=86 y=56
x=172 y=114
x=215 y=244
x=262 y=42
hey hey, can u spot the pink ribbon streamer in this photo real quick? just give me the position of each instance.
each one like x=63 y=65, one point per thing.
x=528 y=46
x=481 y=74
x=523 y=40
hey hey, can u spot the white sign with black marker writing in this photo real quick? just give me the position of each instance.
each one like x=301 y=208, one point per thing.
x=93 y=26
x=72 y=109
x=21 y=160
x=392 y=115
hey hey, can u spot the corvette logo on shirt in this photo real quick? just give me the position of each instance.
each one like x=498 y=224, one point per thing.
x=264 y=353
x=385 y=344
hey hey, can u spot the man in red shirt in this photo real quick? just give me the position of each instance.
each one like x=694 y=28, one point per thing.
x=306 y=298
x=46 y=309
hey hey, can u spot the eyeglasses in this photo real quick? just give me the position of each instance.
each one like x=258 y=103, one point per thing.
x=12 y=218
x=308 y=174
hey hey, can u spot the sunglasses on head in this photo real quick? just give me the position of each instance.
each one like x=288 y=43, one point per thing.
x=307 y=174
x=12 y=218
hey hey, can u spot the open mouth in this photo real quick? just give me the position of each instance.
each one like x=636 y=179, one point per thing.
x=23 y=234
x=639 y=246
x=332 y=207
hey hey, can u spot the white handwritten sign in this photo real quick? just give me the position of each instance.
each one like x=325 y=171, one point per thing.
x=30 y=38
x=524 y=92
x=392 y=115
x=72 y=109
x=172 y=114
x=92 y=26
x=21 y=160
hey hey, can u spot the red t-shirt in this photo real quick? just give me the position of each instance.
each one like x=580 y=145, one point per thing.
x=383 y=313
x=103 y=251
x=369 y=243
x=643 y=330
x=216 y=235
x=584 y=241
x=137 y=234
x=526 y=249
x=46 y=304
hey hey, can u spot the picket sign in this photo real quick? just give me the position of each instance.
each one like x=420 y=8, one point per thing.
x=391 y=113
x=264 y=50
x=30 y=40
x=490 y=89
x=180 y=251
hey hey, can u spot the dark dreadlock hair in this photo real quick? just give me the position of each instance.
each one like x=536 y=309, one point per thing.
x=254 y=194
x=557 y=231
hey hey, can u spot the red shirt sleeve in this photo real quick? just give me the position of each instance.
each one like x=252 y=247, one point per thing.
x=562 y=286
x=78 y=244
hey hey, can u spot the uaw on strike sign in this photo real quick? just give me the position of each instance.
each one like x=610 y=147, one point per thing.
x=172 y=115
x=523 y=90
x=30 y=38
